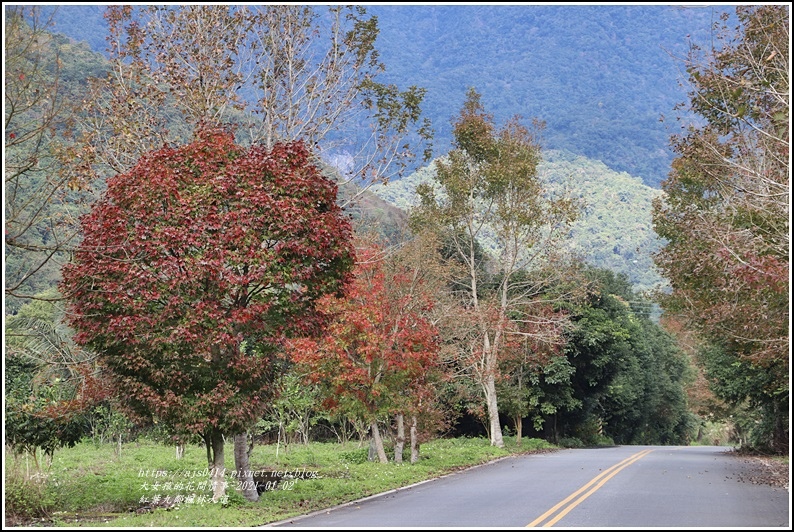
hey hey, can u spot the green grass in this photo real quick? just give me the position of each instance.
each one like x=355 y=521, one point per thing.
x=90 y=486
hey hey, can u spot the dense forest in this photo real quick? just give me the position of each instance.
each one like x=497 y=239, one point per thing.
x=189 y=257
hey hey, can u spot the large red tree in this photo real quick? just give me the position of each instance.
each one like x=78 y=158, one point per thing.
x=195 y=265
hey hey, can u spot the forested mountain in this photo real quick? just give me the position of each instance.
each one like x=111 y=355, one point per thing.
x=601 y=76
x=614 y=228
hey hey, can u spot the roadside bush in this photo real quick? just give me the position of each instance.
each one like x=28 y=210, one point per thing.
x=25 y=498
x=571 y=443
x=357 y=456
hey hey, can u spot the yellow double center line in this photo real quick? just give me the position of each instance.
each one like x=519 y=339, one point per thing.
x=599 y=481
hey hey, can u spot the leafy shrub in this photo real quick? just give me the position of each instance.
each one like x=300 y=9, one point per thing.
x=25 y=498
x=357 y=456
x=234 y=498
x=571 y=443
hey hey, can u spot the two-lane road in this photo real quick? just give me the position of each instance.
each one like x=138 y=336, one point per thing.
x=624 y=486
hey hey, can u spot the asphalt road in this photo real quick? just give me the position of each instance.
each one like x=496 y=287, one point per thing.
x=623 y=486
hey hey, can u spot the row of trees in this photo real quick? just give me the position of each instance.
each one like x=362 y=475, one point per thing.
x=725 y=217
x=177 y=73
x=208 y=269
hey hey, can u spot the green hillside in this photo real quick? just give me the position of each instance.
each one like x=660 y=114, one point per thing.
x=614 y=230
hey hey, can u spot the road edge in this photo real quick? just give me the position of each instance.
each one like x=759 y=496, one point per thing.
x=291 y=520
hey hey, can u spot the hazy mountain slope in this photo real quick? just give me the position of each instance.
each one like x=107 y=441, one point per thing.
x=614 y=230
x=601 y=76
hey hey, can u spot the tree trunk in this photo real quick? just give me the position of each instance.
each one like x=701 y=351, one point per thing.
x=399 y=442
x=245 y=477
x=414 y=441
x=519 y=427
x=180 y=451
x=489 y=387
x=372 y=454
x=217 y=467
x=208 y=446
x=378 y=443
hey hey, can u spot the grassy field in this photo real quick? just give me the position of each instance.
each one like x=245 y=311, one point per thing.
x=146 y=486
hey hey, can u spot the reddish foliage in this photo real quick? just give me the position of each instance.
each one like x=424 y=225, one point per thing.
x=195 y=265
x=380 y=351
x=725 y=213
x=90 y=390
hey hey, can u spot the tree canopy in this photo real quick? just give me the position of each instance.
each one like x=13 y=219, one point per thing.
x=193 y=268
x=725 y=215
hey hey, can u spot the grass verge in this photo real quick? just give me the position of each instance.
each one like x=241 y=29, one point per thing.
x=147 y=486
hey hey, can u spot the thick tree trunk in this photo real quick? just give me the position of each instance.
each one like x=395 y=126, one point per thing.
x=414 y=441
x=217 y=467
x=489 y=387
x=399 y=443
x=378 y=443
x=245 y=477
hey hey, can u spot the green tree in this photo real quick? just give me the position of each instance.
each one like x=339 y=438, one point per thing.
x=725 y=215
x=490 y=184
x=524 y=374
x=598 y=348
x=51 y=384
x=629 y=375
x=295 y=409
x=646 y=401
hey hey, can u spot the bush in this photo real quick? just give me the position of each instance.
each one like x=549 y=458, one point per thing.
x=234 y=498
x=571 y=443
x=357 y=456
x=25 y=499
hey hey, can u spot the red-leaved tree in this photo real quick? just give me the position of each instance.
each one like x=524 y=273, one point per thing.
x=194 y=267
x=380 y=350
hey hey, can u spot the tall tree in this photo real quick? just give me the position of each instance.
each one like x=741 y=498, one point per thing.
x=279 y=72
x=490 y=183
x=41 y=195
x=527 y=360
x=423 y=284
x=725 y=215
x=194 y=266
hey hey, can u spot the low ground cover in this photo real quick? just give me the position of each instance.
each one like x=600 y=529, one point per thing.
x=145 y=485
